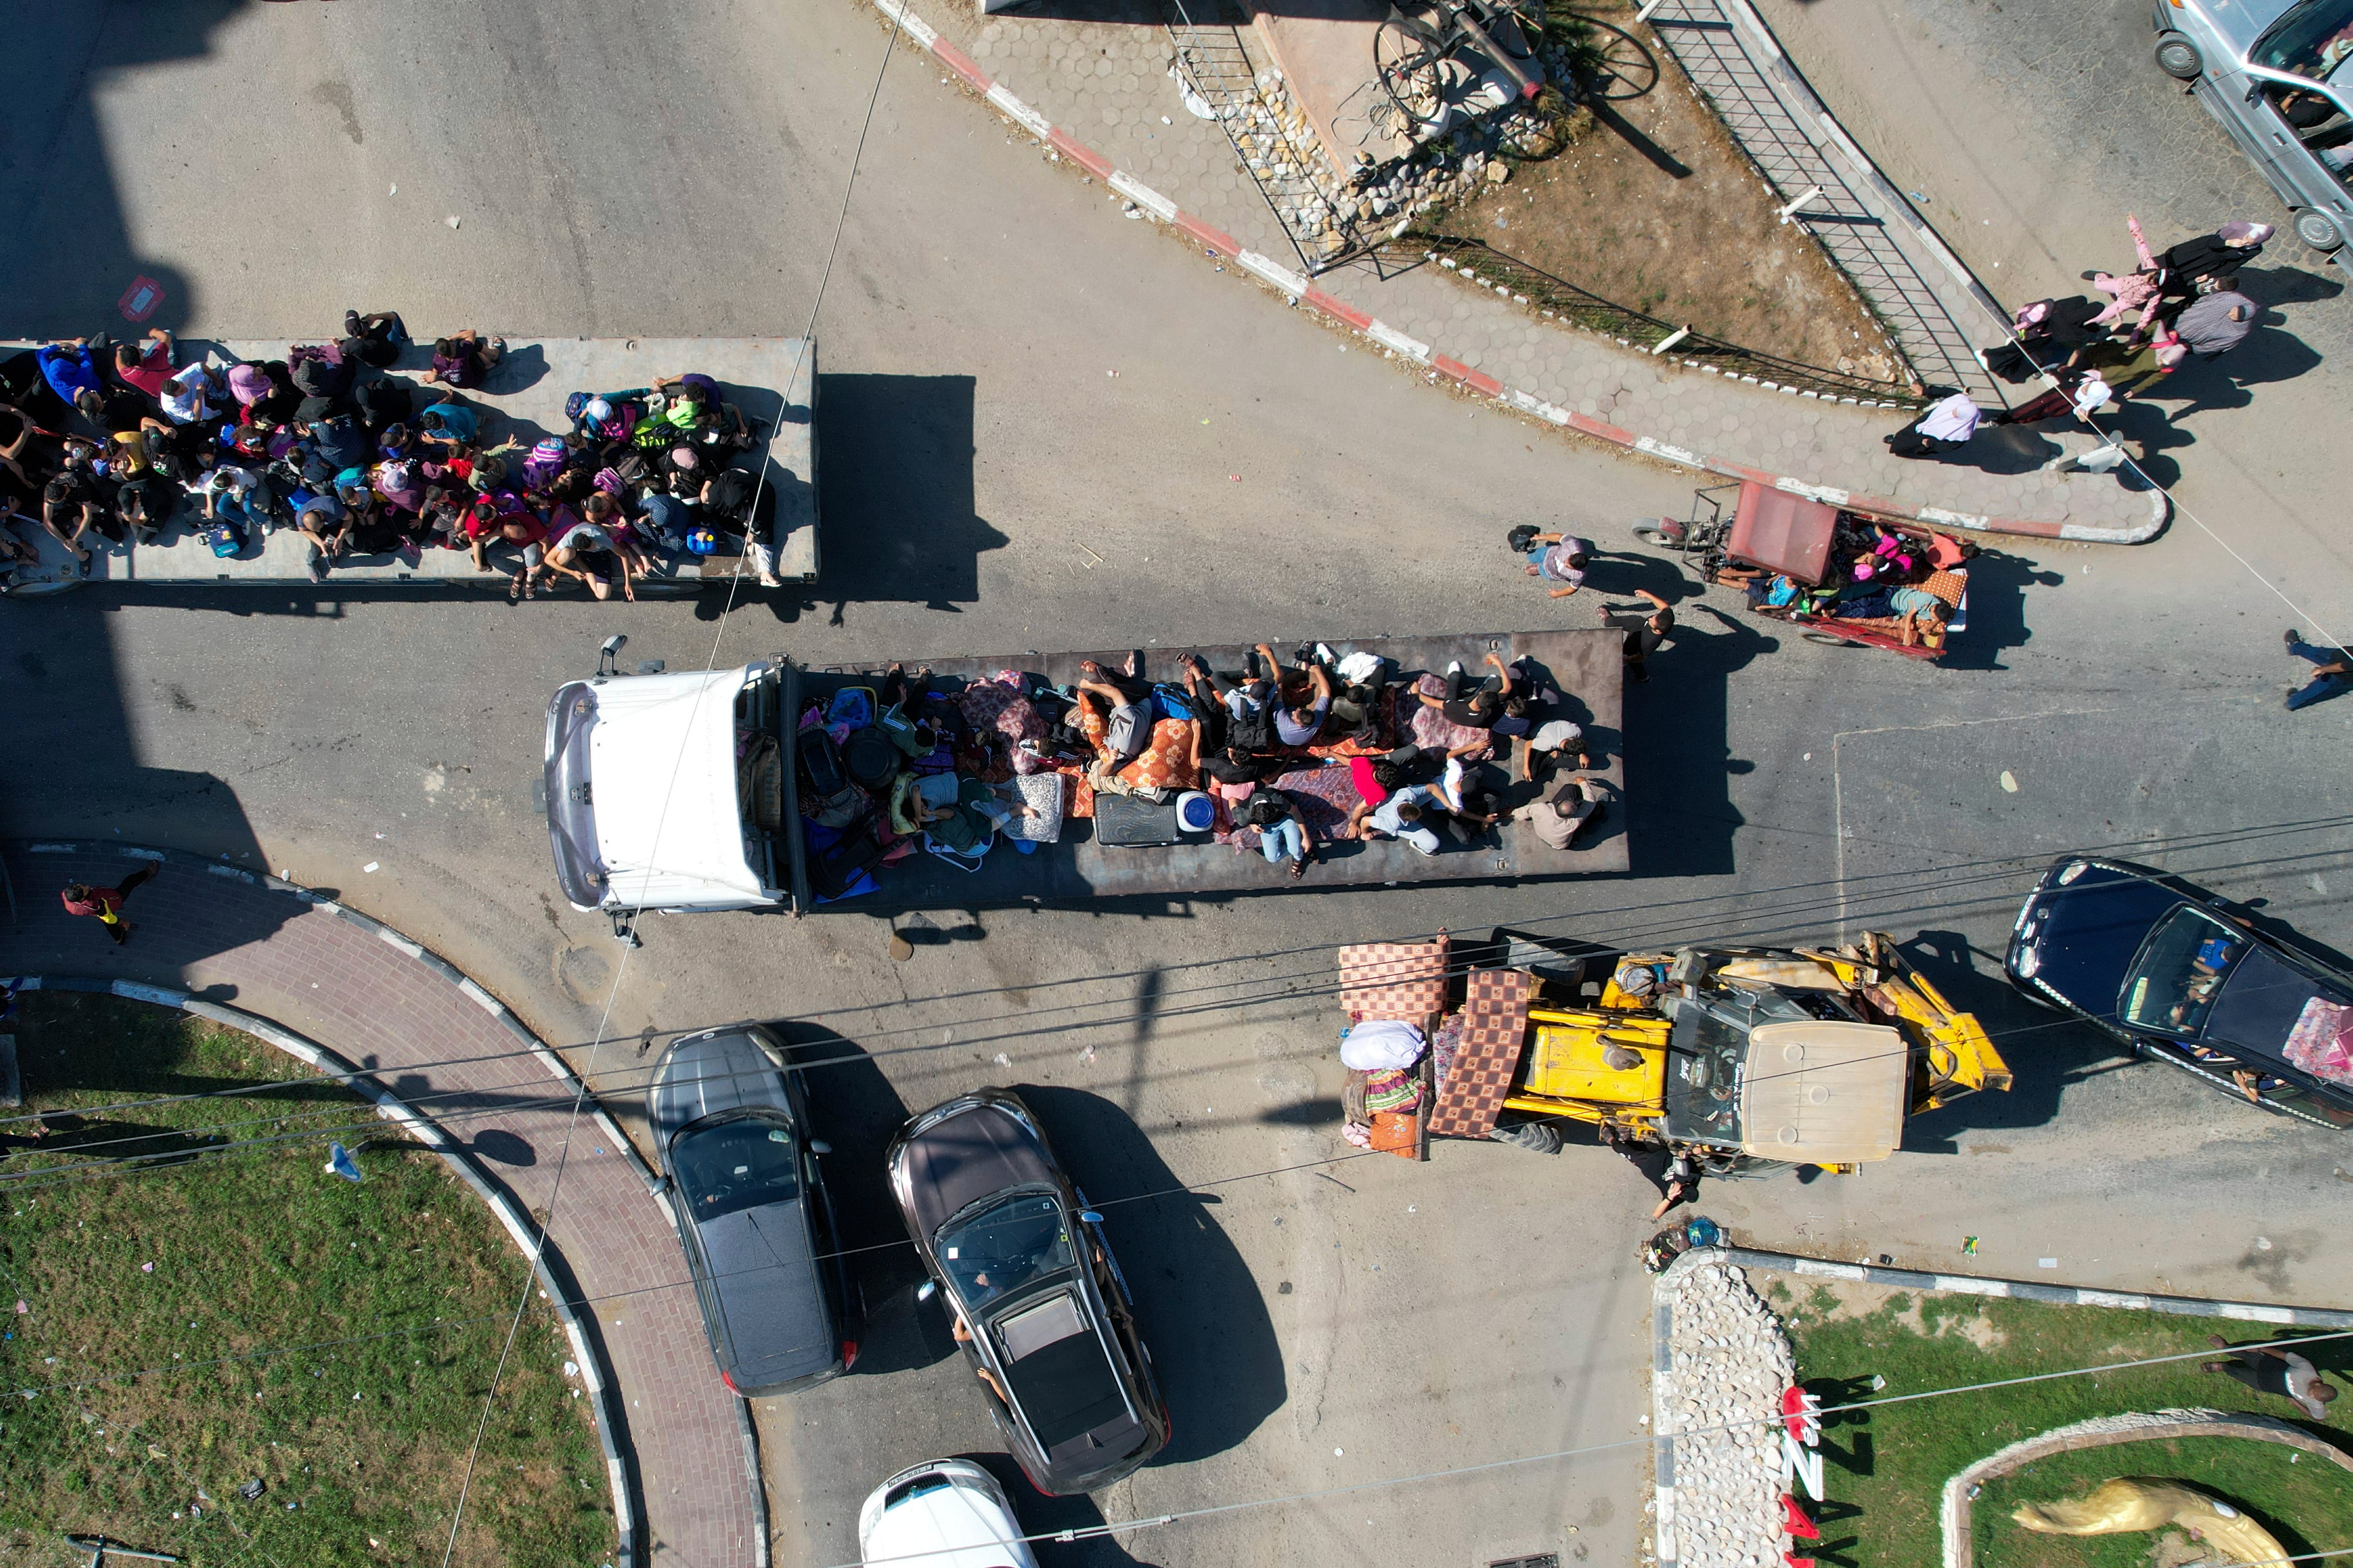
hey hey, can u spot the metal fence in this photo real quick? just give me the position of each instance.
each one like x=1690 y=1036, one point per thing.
x=1563 y=301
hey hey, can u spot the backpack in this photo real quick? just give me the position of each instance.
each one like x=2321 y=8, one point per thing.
x=731 y=495
x=320 y=370
x=1252 y=730
x=383 y=403
x=223 y=539
x=548 y=459
x=339 y=440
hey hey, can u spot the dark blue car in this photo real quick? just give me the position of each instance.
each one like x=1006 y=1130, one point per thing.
x=2166 y=967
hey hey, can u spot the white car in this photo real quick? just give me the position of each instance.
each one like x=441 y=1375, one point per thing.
x=949 y=1513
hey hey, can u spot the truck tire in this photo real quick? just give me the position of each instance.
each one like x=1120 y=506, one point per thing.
x=2178 y=57
x=1536 y=1137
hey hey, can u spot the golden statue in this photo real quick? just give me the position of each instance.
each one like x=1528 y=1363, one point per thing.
x=2125 y=1504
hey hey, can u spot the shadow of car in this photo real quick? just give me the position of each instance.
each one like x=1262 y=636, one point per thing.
x=2168 y=969
x=740 y=1173
x=1039 y=1304
x=2270 y=71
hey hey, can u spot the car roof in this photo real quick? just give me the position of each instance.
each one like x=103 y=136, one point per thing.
x=948 y=1527
x=774 y=1323
x=969 y=1155
x=1065 y=1383
x=711 y=1073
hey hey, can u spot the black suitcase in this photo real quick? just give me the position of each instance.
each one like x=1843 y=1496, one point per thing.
x=1132 y=823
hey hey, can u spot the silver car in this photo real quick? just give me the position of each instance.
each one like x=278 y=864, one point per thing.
x=2273 y=72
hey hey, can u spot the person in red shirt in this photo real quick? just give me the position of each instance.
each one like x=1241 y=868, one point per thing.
x=106 y=903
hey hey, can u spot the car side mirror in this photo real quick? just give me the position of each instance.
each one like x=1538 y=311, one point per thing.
x=819 y=1146
x=926 y=1290
x=1091 y=1217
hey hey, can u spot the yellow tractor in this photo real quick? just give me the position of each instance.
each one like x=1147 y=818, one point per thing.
x=1732 y=1056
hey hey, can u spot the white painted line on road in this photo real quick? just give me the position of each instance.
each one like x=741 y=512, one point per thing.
x=1389 y=338
x=1830 y=1270
x=620 y=1493
x=914 y=27
x=414 y=949
x=1974 y=521
x=2125 y=1299
x=1829 y=495
x=1962 y=1284
x=580 y=1358
x=53 y=848
x=1144 y=196
x=483 y=999
x=1268 y=269
x=1037 y=124
x=2248 y=1314
x=1657 y=448
x=163 y=996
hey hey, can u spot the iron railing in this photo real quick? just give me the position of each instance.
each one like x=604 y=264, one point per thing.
x=1541 y=292
x=1316 y=215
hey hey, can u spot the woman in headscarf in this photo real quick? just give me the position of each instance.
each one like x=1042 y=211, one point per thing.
x=2200 y=266
x=1944 y=426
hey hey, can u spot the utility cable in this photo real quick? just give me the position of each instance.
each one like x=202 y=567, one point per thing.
x=1828 y=894
x=1586 y=1450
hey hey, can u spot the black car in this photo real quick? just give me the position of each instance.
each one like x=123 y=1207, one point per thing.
x=2168 y=969
x=1039 y=1304
x=743 y=1180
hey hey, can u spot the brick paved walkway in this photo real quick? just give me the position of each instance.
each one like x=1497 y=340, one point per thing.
x=1105 y=86
x=271 y=953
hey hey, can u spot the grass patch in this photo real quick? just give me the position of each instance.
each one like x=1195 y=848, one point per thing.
x=197 y=1257
x=1886 y=1467
x=2306 y=1503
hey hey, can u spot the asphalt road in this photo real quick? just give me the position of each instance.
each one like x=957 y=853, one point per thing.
x=615 y=173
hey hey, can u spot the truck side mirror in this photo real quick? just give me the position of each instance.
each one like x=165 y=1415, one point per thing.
x=610 y=651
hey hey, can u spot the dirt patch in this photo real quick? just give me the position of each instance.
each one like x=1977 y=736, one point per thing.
x=1845 y=1299
x=1655 y=209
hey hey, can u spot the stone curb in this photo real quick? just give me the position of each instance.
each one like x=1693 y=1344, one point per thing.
x=555 y=1065
x=1298 y=289
x=393 y=1109
x=1662 y=1321
x=2102 y=1431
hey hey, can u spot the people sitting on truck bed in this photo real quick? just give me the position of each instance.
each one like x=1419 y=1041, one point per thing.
x=1293 y=756
x=1910 y=584
x=362 y=464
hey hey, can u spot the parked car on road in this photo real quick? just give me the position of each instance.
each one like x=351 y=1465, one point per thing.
x=1039 y=1303
x=2167 y=967
x=743 y=1179
x=2273 y=72
x=949 y=1513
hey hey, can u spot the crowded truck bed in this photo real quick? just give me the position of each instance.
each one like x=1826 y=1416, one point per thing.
x=995 y=780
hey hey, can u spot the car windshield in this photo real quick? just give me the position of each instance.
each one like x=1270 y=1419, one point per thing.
x=2309 y=41
x=1004 y=1247
x=2181 y=965
x=736 y=1165
x=1704 y=1060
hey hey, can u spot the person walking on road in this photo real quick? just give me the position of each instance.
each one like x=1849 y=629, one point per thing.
x=2216 y=323
x=106 y=903
x=2267 y=1369
x=2332 y=671
x=1944 y=426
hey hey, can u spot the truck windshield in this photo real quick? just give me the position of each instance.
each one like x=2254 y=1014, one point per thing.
x=2310 y=40
x=1704 y=1062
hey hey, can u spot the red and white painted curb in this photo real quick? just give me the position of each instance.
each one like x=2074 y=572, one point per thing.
x=1300 y=290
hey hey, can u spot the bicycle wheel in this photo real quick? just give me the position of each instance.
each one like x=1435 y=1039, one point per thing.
x=1625 y=67
x=1405 y=56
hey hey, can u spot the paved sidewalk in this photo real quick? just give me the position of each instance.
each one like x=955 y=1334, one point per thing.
x=1099 y=95
x=385 y=1006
